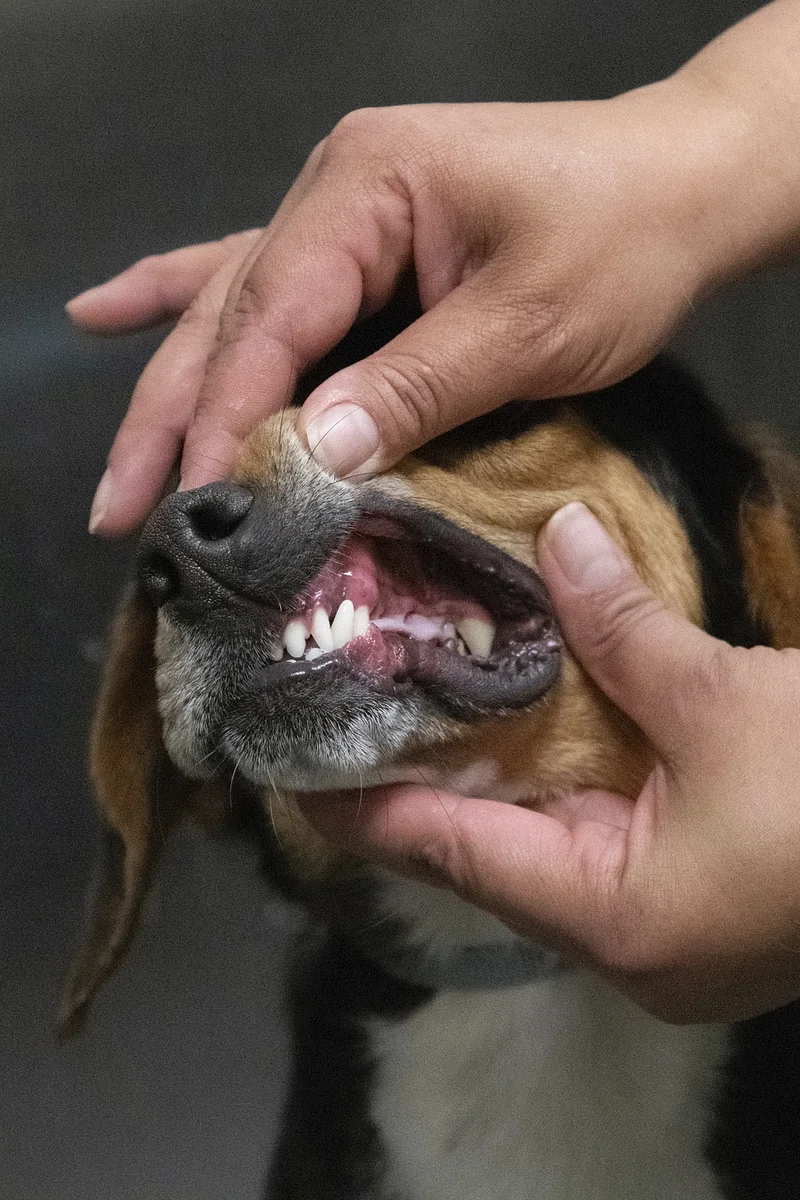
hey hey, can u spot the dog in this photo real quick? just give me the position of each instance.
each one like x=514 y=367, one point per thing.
x=291 y=632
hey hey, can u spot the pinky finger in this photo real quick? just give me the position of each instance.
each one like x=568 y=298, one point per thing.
x=156 y=289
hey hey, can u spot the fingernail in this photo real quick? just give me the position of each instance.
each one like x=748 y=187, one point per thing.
x=342 y=438
x=588 y=556
x=101 y=502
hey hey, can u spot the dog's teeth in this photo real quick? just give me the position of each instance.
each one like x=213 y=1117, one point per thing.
x=294 y=638
x=361 y=621
x=462 y=649
x=321 y=630
x=313 y=653
x=342 y=624
x=478 y=635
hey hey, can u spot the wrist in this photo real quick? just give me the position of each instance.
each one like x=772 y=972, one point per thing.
x=733 y=116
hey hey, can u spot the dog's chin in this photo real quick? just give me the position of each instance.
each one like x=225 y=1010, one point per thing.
x=320 y=734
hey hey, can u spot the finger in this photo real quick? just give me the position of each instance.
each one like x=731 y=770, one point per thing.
x=149 y=439
x=337 y=252
x=545 y=878
x=476 y=349
x=645 y=658
x=155 y=289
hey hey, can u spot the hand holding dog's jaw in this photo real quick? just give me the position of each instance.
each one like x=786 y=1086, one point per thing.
x=679 y=897
x=520 y=221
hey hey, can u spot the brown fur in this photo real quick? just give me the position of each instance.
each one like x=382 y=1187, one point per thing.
x=770 y=535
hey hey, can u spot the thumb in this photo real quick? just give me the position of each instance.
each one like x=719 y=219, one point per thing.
x=529 y=868
x=470 y=353
x=645 y=658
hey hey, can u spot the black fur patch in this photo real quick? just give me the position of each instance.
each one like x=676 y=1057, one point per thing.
x=329 y=1148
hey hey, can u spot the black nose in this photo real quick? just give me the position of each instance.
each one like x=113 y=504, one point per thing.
x=190 y=550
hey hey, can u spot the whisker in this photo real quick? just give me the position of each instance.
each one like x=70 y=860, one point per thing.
x=428 y=784
x=360 y=797
x=312 y=449
x=230 y=785
x=271 y=811
x=161 y=830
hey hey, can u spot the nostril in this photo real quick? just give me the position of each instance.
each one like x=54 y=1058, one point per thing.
x=218 y=511
x=160 y=579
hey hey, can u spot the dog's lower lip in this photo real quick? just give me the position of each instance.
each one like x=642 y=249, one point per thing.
x=517 y=674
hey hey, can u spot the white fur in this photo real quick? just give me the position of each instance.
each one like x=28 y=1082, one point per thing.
x=555 y=1090
x=560 y=1089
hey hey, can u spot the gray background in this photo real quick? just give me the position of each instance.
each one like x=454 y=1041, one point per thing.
x=127 y=128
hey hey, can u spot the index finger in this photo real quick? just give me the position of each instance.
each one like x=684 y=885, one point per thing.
x=339 y=253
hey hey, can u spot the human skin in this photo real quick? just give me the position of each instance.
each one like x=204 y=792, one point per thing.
x=556 y=248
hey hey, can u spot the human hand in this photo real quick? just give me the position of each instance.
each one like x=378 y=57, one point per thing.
x=688 y=897
x=555 y=247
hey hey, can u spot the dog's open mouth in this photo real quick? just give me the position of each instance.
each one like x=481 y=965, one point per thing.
x=412 y=600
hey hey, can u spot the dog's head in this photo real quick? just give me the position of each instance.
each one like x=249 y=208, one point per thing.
x=307 y=633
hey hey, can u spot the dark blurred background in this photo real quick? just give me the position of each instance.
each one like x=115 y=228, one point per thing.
x=130 y=127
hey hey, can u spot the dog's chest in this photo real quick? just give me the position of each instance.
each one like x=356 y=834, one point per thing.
x=553 y=1090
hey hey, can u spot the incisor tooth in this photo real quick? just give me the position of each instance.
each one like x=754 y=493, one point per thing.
x=321 y=630
x=478 y=635
x=342 y=624
x=361 y=621
x=294 y=638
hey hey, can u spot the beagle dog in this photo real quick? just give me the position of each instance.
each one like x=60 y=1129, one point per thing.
x=290 y=631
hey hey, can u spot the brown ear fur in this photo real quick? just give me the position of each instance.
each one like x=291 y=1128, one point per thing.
x=770 y=539
x=139 y=793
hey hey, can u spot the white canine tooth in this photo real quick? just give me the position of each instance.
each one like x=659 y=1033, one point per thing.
x=478 y=635
x=321 y=630
x=361 y=621
x=462 y=649
x=294 y=638
x=342 y=624
x=313 y=653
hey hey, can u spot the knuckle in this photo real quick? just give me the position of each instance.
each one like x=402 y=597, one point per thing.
x=316 y=156
x=242 y=239
x=242 y=309
x=410 y=393
x=356 y=129
x=197 y=316
x=151 y=266
x=377 y=138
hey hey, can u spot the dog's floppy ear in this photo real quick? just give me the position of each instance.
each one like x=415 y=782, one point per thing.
x=140 y=793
